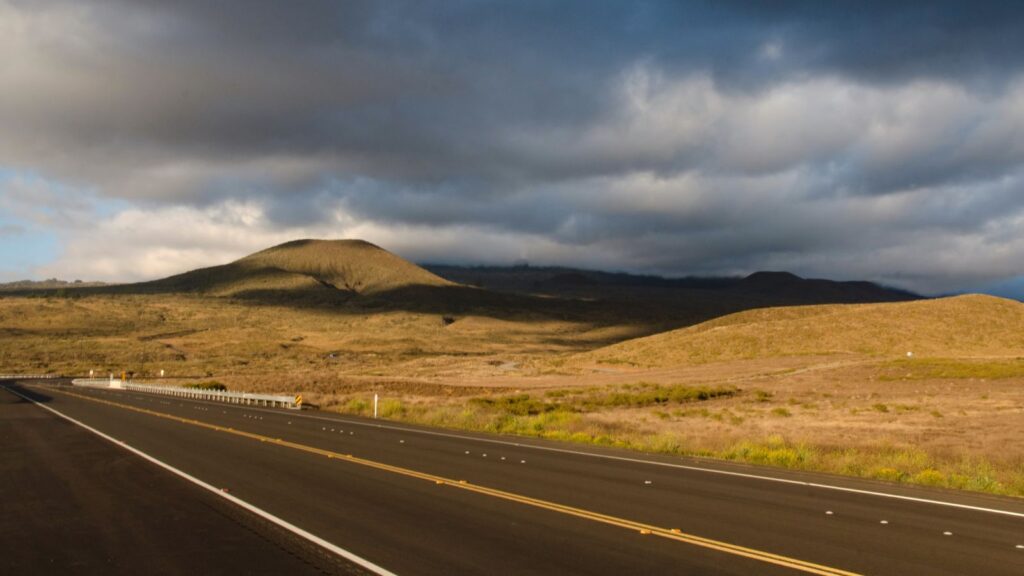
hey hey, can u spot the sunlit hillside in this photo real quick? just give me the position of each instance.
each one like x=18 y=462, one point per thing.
x=958 y=327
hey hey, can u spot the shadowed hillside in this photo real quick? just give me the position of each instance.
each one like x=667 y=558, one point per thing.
x=354 y=277
x=959 y=326
x=768 y=288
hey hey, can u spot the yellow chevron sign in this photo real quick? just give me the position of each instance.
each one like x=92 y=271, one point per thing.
x=298 y=399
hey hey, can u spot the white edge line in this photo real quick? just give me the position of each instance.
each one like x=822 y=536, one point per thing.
x=656 y=463
x=233 y=499
x=673 y=465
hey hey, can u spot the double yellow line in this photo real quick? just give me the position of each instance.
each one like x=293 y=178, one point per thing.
x=646 y=529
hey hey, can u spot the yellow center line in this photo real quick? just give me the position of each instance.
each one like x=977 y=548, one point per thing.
x=670 y=533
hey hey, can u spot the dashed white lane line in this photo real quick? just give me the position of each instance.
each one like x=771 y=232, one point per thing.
x=692 y=468
x=223 y=493
x=810 y=484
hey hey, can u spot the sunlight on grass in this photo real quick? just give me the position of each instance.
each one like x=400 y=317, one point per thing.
x=570 y=421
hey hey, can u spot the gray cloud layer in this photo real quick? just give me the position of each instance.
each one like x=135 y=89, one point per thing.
x=879 y=140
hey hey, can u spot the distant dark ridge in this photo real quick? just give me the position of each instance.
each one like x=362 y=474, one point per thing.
x=780 y=286
x=51 y=284
x=566 y=275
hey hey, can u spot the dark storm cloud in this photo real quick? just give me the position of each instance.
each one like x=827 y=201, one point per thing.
x=676 y=136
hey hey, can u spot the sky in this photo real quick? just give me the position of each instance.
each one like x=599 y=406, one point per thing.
x=849 y=140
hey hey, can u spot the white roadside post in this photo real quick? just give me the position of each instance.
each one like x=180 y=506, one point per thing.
x=375 y=398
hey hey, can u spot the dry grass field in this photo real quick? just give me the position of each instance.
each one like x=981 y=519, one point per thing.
x=960 y=326
x=819 y=387
x=827 y=389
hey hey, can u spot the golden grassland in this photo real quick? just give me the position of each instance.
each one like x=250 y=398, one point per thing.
x=826 y=388
x=952 y=432
x=266 y=346
x=960 y=327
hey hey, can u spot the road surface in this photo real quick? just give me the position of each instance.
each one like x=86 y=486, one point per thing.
x=419 y=501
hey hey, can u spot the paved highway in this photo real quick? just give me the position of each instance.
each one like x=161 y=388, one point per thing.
x=417 y=501
x=73 y=503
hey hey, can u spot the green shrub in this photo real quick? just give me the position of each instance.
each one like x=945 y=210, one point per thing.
x=212 y=385
x=887 y=473
x=391 y=408
x=519 y=405
x=357 y=406
x=653 y=395
x=929 y=477
x=773 y=452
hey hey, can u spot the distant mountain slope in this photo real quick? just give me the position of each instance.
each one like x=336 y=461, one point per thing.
x=960 y=326
x=352 y=266
x=360 y=277
x=51 y=284
x=790 y=287
x=771 y=287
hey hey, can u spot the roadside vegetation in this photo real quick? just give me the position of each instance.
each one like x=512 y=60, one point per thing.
x=751 y=426
x=638 y=395
x=214 y=385
x=817 y=388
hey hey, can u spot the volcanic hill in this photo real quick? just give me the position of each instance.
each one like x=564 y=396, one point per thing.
x=305 y=266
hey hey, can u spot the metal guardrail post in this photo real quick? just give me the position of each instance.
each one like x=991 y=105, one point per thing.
x=242 y=398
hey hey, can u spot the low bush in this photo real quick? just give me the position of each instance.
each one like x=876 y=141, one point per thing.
x=212 y=385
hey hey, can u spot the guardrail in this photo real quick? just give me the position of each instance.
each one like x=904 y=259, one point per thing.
x=28 y=376
x=244 y=398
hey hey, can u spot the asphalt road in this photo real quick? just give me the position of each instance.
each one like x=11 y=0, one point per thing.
x=73 y=503
x=420 y=501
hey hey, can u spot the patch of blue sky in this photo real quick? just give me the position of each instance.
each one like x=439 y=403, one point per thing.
x=56 y=198
x=24 y=249
x=30 y=226
x=1012 y=288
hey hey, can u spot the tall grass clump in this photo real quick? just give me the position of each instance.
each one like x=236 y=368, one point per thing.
x=212 y=385
x=654 y=395
x=774 y=451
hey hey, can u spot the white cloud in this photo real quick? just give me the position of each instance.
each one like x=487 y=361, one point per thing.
x=143 y=244
x=722 y=148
